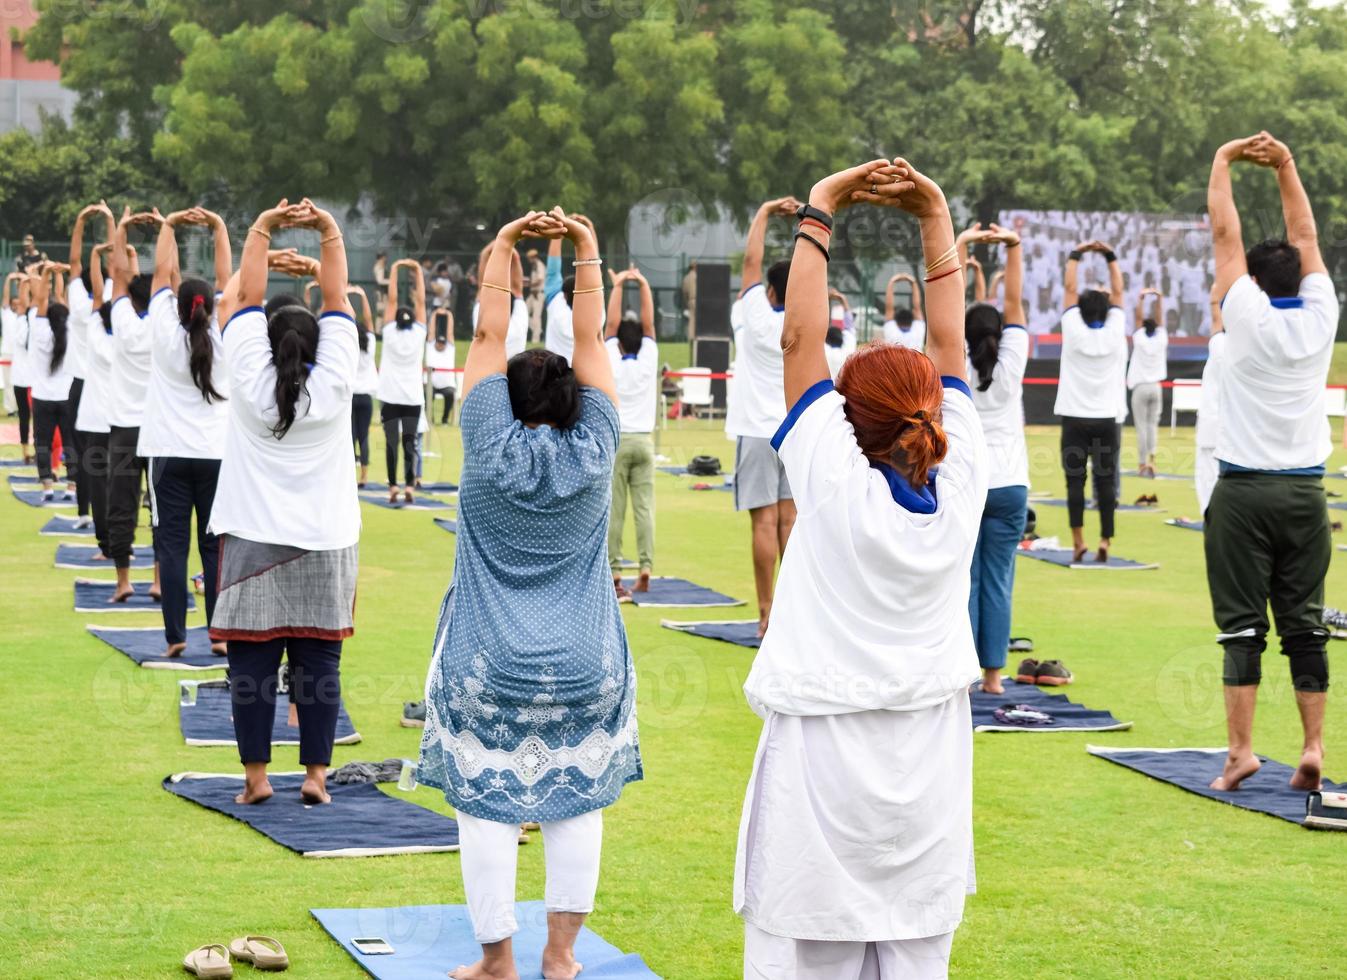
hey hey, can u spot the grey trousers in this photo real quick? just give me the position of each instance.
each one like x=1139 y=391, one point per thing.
x=1146 y=401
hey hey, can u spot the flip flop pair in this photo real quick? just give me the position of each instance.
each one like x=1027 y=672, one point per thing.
x=213 y=961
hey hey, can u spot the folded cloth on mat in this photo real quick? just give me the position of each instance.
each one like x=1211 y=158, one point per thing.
x=211 y=720
x=678 y=592
x=429 y=939
x=449 y=524
x=1266 y=791
x=1062 y=557
x=145 y=645
x=82 y=556
x=422 y=503
x=741 y=632
x=64 y=526
x=1091 y=505
x=361 y=820
x=388 y=771
x=92 y=597
x=423 y=488
x=33 y=498
x=1186 y=524
x=1047 y=712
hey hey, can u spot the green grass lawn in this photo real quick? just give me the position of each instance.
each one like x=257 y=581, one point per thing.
x=1085 y=869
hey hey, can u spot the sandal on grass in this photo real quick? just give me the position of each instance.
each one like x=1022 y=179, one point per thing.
x=262 y=952
x=208 y=961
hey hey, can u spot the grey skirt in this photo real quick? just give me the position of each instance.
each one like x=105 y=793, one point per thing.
x=269 y=591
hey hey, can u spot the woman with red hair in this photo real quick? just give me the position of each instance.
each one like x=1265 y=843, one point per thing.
x=856 y=844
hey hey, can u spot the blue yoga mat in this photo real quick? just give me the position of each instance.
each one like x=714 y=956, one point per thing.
x=361 y=820
x=145 y=645
x=211 y=720
x=1266 y=791
x=62 y=525
x=741 y=632
x=439 y=487
x=678 y=592
x=24 y=480
x=13 y=462
x=92 y=597
x=430 y=940
x=1062 y=558
x=1064 y=715
x=422 y=503
x=449 y=524
x=1185 y=524
x=33 y=498
x=1091 y=505
x=82 y=556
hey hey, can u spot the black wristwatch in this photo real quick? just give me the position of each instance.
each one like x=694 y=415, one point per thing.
x=822 y=217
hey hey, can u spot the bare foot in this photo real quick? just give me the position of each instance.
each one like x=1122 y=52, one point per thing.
x=1309 y=774
x=621 y=590
x=392 y=495
x=764 y=614
x=479 y=971
x=991 y=682
x=409 y=497
x=254 y=794
x=220 y=649
x=121 y=596
x=642 y=582
x=1078 y=554
x=313 y=792
x=155 y=594
x=1236 y=771
x=560 y=965
x=1101 y=555
x=175 y=649
x=101 y=556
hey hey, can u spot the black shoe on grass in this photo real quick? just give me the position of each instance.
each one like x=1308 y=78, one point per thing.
x=413 y=714
x=1027 y=671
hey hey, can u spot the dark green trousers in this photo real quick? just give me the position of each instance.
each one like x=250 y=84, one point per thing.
x=1268 y=542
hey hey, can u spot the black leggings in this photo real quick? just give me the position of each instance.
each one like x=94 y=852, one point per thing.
x=448 y=395
x=25 y=413
x=124 y=470
x=179 y=486
x=362 y=411
x=94 y=472
x=315 y=691
x=400 y=418
x=80 y=477
x=1096 y=442
x=47 y=418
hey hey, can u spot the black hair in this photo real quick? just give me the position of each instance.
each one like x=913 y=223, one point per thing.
x=139 y=290
x=982 y=329
x=58 y=317
x=904 y=318
x=1275 y=265
x=293 y=332
x=1150 y=326
x=196 y=303
x=1093 y=306
x=281 y=302
x=105 y=314
x=543 y=389
x=87 y=279
x=630 y=335
x=568 y=290
x=404 y=317
x=362 y=335
x=776 y=279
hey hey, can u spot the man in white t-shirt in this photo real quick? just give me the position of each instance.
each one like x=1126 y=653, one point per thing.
x=635 y=358
x=759 y=406
x=1192 y=295
x=440 y=363
x=1268 y=540
x=904 y=327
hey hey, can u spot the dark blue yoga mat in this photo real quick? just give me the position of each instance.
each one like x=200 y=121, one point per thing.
x=441 y=487
x=211 y=720
x=449 y=524
x=145 y=645
x=1062 y=558
x=24 y=480
x=430 y=940
x=92 y=597
x=1185 y=524
x=422 y=503
x=62 y=525
x=1064 y=715
x=741 y=632
x=82 y=556
x=14 y=462
x=361 y=820
x=1091 y=505
x=33 y=498
x=678 y=592
x=1266 y=791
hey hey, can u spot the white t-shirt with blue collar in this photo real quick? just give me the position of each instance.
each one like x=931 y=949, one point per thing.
x=1093 y=382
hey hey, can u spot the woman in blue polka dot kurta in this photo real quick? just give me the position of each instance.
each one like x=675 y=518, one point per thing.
x=530 y=702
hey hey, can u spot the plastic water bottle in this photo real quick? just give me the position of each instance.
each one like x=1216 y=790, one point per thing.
x=407 y=778
x=187 y=693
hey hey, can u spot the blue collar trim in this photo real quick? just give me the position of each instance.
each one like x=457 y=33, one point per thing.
x=1288 y=302
x=958 y=384
x=777 y=309
x=916 y=501
x=812 y=394
x=631 y=357
x=1095 y=324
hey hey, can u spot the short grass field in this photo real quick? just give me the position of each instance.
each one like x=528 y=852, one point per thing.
x=1085 y=869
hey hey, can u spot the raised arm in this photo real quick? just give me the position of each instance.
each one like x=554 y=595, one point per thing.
x=418 y=292
x=553 y=279
x=365 y=314
x=250 y=283
x=1013 y=308
x=77 y=240
x=647 y=305
x=58 y=271
x=391 y=300
x=1117 y=290
x=1227 y=241
x=96 y=273
x=224 y=252
x=166 y=249
x=332 y=272
x=1301 y=230
x=1070 y=294
x=618 y=280
x=995 y=283
x=979 y=280
x=756 y=243
x=590 y=359
x=39 y=288
x=309 y=287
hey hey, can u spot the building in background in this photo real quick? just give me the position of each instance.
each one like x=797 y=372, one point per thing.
x=27 y=88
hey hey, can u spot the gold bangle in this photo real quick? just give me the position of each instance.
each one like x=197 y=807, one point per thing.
x=330 y=238
x=952 y=253
x=265 y=234
x=596 y=289
x=492 y=285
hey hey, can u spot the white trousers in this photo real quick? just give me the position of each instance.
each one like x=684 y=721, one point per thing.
x=768 y=957
x=489 y=853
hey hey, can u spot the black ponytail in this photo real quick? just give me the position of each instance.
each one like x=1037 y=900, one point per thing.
x=58 y=316
x=196 y=303
x=362 y=336
x=404 y=317
x=293 y=332
x=1150 y=326
x=982 y=334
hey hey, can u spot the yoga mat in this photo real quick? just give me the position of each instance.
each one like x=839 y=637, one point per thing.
x=1065 y=715
x=449 y=524
x=1337 y=506
x=33 y=498
x=430 y=940
x=92 y=597
x=361 y=820
x=82 y=556
x=1062 y=558
x=741 y=632
x=1186 y=524
x=422 y=503
x=145 y=645
x=211 y=720
x=1266 y=791
x=373 y=487
x=25 y=481
x=1164 y=476
x=64 y=525
x=1091 y=505
x=14 y=462
x=678 y=593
